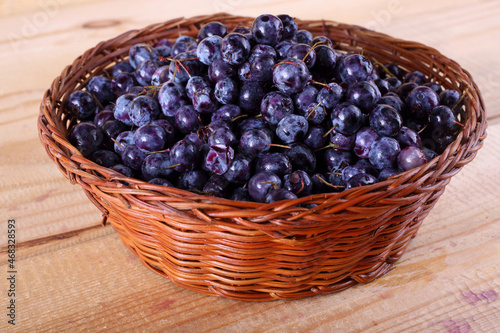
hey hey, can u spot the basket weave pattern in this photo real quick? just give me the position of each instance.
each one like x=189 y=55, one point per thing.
x=258 y=252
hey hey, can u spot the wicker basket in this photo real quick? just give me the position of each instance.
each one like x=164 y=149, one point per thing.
x=258 y=252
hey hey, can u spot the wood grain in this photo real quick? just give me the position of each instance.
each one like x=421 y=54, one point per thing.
x=75 y=275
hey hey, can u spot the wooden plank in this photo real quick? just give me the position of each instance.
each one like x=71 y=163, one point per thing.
x=75 y=275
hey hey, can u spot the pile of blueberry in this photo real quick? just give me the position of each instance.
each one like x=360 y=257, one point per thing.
x=261 y=113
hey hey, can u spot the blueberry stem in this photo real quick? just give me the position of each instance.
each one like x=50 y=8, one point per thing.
x=321 y=84
x=278 y=145
x=173 y=166
x=329 y=131
x=158 y=151
x=327 y=183
x=461 y=99
x=388 y=72
x=312 y=48
x=239 y=117
x=314 y=109
x=330 y=145
x=272 y=183
x=285 y=62
x=119 y=144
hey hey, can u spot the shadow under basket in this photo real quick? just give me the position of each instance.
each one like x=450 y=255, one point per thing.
x=258 y=252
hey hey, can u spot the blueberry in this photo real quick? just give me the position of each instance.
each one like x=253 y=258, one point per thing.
x=315 y=137
x=449 y=97
x=145 y=71
x=102 y=117
x=315 y=113
x=384 y=152
x=197 y=84
x=301 y=157
x=289 y=26
x=219 y=69
x=133 y=157
x=184 y=66
x=278 y=195
x=275 y=106
x=346 y=118
x=184 y=155
x=299 y=183
x=394 y=101
x=150 y=138
x=82 y=105
x=292 y=128
x=268 y=29
x=385 y=120
x=187 y=120
x=263 y=50
x=386 y=173
x=163 y=47
x=251 y=94
x=304 y=36
x=261 y=184
x=111 y=129
x=124 y=170
x=330 y=95
x=121 y=67
x=240 y=194
x=123 y=82
x=209 y=49
x=355 y=68
x=216 y=186
x=421 y=101
x=226 y=91
x=122 y=108
x=411 y=157
x=193 y=180
x=235 y=49
x=363 y=94
x=239 y=172
x=277 y=163
x=442 y=118
x=123 y=140
x=255 y=141
x=157 y=165
x=212 y=29
x=415 y=77
x=326 y=60
x=341 y=141
x=291 y=76
x=143 y=110
x=86 y=137
x=204 y=101
x=105 y=158
x=222 y=137
x=408 y=137
x=261 y=68
x=283 y=47
x=336 y=160
x=304 y=98
x=364 y=140
x=161 y=181
x=226 y=112
x=171 y=97
x=218 y=159
x=360 y=179
x=141 y=52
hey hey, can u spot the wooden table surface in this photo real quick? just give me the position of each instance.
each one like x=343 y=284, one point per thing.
x=72 y=274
